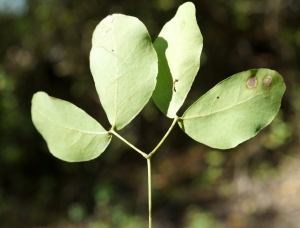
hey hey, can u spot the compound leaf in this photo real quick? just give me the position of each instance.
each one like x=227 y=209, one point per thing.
x=71 y=134
x=234 y=110
x=178 y=47
x=124 y=67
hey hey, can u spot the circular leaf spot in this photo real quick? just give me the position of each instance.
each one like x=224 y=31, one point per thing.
x=267 y=81
x=252 y=82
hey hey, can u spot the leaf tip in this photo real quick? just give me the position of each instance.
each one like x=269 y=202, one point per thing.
x=110 y=18
x=187 y=6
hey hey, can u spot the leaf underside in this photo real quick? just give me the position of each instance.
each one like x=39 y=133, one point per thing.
x=178 y=47
x=71 y=134
x=123 y=63
x=234 y=110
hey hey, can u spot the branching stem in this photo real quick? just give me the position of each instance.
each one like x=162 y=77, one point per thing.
x=148 y=157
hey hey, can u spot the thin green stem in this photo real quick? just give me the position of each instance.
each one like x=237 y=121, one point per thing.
x=128 y=143
x=148 y=157
x=165 y=136
x=149 y=191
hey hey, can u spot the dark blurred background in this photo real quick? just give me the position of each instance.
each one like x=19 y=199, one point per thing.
x=44 y=46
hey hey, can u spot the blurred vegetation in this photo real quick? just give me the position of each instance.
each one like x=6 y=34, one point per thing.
x=45 y=44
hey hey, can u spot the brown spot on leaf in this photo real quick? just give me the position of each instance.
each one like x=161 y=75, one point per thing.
x=252 y=82
x=267 y=81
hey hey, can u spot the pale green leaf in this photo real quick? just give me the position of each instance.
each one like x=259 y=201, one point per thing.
x=124 y=66
x=235 y=110
x=178 y=48
x=71 y=134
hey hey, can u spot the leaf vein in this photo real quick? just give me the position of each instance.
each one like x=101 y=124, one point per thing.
x=194 y=117
x=69 y=128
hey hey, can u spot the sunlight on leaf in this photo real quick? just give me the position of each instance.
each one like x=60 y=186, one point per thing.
x=124 y=67
x=178 y=47
x=71 y=134
x=235 y=110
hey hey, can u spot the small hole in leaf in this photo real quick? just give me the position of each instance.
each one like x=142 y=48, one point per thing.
x=218 y=97
x=267 y=81
x=252 y=82
x=258 y=128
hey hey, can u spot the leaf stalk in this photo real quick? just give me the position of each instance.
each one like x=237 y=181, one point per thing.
x=111 y=131
x=165 y=136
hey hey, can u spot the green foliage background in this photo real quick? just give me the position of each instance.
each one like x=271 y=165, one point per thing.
x=45 y=45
